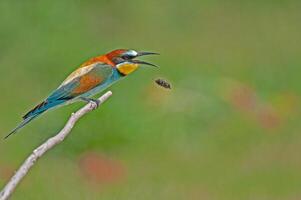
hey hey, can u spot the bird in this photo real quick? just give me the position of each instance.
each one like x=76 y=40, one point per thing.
x=90 y=78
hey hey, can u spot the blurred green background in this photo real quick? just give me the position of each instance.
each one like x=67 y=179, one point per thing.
x=229 y=129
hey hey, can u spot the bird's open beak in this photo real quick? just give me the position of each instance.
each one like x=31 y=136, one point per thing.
x=143 y=53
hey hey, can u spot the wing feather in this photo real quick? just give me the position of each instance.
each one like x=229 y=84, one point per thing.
x=82 y=80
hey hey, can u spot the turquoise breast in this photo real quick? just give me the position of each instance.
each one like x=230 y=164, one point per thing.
x=116 y=76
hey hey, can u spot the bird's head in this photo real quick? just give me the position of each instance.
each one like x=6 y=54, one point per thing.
x=125 y=62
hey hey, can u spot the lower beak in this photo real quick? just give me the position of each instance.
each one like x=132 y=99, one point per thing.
x=143 y=63
x=143 y=53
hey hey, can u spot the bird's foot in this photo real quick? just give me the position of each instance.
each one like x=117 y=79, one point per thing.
x=94 y=102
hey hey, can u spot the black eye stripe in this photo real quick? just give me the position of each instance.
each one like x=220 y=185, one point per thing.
x=127 y=57
x=118 y=60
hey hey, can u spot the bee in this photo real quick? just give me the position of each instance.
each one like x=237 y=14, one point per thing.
x=163 y=83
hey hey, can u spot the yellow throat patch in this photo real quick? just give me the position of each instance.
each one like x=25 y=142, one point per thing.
x=127 y=68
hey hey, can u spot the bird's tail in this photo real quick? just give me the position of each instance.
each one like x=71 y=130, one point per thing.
x=23 y=123
x=35 y=112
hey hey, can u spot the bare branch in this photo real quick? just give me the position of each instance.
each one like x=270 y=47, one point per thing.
x=49 y=144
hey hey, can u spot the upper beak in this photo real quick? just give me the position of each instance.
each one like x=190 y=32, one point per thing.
x=143 y=53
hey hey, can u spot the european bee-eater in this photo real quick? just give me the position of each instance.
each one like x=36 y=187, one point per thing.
x=92 y=77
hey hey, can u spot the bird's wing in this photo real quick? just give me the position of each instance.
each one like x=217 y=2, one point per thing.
x=82 y=80
x=79 y=82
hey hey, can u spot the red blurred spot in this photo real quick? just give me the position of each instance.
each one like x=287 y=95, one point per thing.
x=268 y=118
x=243 y=98
x=100 y=169
x=247 y=101
x=6 y=172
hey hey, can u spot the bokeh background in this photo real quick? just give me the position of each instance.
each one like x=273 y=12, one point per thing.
x=228 y=130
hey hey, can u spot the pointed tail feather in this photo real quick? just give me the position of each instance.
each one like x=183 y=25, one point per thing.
x=35 y=112
x=23 y=123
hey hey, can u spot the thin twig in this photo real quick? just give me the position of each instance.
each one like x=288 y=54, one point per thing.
x=49 y=144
